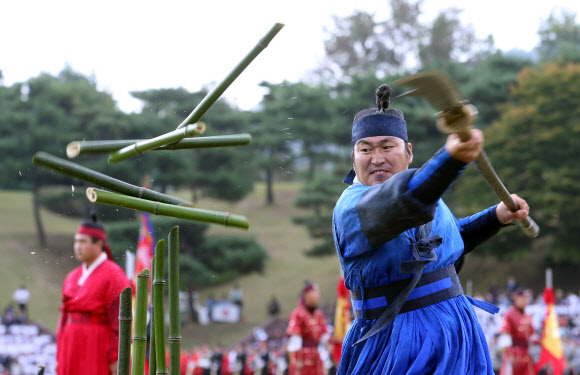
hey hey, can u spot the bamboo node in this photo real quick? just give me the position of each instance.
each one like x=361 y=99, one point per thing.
x=226 y=216
x=155 y=208
x=175 y=338
x=141 y=190
x=136 y=149
x=122 y=318
x=158 y=282
x=139 y=338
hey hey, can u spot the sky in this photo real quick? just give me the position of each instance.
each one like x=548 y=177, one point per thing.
x=139 y=45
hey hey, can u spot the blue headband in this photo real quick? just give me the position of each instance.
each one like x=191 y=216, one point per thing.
x=379 y=124
x=376 y=125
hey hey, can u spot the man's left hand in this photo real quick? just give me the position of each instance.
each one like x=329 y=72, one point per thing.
x=505 y=216
x=113 y=368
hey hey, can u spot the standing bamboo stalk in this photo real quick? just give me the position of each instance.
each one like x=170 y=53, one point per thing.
x=159 y=321
x=76 y=148
x=157 y=208
x=125 y=322
x=206 y=103
x=174 y=321
x=152 y=362
x=70 y=169
x=140 y=328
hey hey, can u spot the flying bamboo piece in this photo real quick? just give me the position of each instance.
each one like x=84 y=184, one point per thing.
x=77 y=148
x=140 y=328
x=153 y=143
x=40 y=370
x=207 y=216
x=204 y=105
x=174 y=328
x=152 y=362
x=159 y=322
x=125 y=320
x=70 y=169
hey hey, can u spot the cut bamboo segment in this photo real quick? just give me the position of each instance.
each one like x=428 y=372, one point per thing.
x=70 y=169
x=77 y=148
x=164 y=209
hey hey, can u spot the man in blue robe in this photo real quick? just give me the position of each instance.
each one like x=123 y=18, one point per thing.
x=397 y=243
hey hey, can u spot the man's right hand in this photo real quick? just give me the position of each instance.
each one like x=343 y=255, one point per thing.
x=465 y=151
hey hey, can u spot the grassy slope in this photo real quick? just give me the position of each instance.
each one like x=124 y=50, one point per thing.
x=43 y=270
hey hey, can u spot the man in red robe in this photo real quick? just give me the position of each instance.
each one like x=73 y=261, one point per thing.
x=88 y=327
x=518 y=326
x=306 y=327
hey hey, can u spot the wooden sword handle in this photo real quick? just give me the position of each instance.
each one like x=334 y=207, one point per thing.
x=529 y=226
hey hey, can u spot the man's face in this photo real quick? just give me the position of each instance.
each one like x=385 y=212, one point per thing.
x=85 y=250
x=312 y=297
x=376 y=159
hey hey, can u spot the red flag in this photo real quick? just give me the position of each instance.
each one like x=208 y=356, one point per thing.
x=342 y=318
x=552 y=352
x=145 y=247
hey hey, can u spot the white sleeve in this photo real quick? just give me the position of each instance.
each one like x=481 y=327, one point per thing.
x=294 y=343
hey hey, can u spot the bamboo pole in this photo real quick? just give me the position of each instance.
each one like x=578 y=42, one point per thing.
x=158 y=284
x=208 y=101
x=125 y=321
x=77 y=148
x=140 y=329
x=70 y=169
x=163 y=209
x=174 y=321
x=159 y=141
x=152 y=361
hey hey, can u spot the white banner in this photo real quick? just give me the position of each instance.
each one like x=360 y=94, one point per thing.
x=225 y=312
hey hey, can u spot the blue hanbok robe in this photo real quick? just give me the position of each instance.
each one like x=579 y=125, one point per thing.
x=374 y=228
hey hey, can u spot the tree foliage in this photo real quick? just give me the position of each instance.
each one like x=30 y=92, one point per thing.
x=533 y=147
x=560 y=37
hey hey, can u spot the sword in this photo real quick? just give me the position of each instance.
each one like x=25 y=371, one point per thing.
x=456 y=116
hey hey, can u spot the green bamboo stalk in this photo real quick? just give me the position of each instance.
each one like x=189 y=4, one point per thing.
x=159 y=322
x=163 y=209
x=125 y=322
x=174 y=321
x=159 y=141
x=140 y=328
x=77 y=148
x=214 y=95
x=206 y=103
x=70 y=169
x=152 y=361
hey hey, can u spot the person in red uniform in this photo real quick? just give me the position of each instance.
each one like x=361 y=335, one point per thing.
x=88 y=327
x=306 y=327
x=518 y=325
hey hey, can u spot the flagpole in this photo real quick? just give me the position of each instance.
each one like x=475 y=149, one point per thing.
x=549 y=281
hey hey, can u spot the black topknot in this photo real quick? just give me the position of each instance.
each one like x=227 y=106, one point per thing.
x=383 y=101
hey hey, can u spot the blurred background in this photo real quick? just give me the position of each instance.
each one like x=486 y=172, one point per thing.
x=133 y=70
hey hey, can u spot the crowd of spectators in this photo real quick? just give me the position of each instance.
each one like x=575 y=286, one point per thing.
x=25 y=346
x=567 y=309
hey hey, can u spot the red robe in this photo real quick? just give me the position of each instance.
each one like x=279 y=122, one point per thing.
x=518 y=325
x=311 y=327
x=88 y=327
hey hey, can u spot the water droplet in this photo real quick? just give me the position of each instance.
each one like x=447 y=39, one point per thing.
x=33 y=252
x=72 y=188
x=20 y=173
